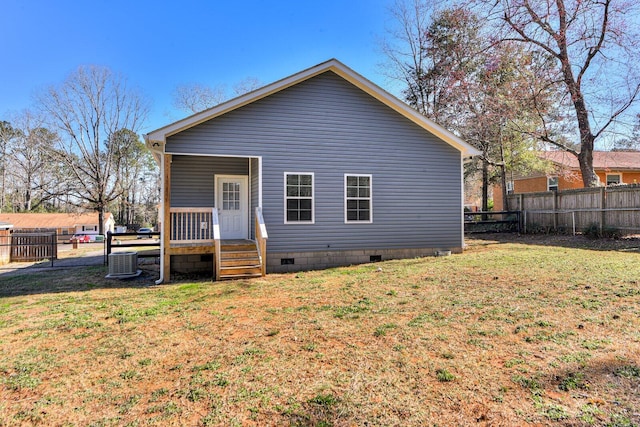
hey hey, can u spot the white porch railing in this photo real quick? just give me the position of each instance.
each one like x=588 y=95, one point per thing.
x=215 y=225
x=261 y=240
x=196 y=225
x=191 y=225
x=201 y=226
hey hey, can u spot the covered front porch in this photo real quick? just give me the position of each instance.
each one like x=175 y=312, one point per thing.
x=229 y=233
x=196 y=231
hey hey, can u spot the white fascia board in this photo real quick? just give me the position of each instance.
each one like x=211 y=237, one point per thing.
x=156 y=148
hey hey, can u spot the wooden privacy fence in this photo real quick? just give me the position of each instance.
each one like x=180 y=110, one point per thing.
x=577 y=210
x=34 y=247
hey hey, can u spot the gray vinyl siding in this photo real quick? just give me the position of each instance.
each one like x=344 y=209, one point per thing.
x=329 y=127
x=192 y=178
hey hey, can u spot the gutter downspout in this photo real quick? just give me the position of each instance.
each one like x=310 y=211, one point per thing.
x=161 y=215
x=160 y=159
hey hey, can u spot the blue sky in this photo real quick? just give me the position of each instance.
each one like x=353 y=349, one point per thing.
x=159 y=46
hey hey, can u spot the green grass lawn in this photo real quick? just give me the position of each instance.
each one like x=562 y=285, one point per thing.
x=508 y=333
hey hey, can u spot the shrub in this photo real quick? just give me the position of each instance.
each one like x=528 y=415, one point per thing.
x=593 y=231
x=444 y=376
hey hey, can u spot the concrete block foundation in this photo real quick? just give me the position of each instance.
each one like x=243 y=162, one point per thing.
x=284 y=262
x=192 y=264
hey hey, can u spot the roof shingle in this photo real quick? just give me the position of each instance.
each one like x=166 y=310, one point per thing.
x=613 y=160
x=51 y=220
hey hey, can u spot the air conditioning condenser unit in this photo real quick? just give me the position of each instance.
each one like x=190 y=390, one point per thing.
x=123 y=265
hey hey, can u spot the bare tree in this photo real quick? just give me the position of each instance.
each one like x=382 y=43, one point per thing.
x=406 y=53
x=7 y=135
x=594 y=44
x=88 y=108
x=34 y=172
x=196 y=97
x=457 y=75
x=136 y=168
x=246 y=85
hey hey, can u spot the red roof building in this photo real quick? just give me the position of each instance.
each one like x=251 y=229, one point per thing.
x=612 y=167
x=63 y=223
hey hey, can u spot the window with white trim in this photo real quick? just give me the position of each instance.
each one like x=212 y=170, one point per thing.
x=614 y=179
x=357 y=198
x=552 y=183
x=509 y=187
x=298 y=197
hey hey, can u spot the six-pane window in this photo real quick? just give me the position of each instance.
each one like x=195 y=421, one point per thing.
x=299 y=197
x=231 y=196
x=357 y=198
x=552 y=183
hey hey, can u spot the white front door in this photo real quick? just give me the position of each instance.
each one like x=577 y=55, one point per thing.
x=232 y=201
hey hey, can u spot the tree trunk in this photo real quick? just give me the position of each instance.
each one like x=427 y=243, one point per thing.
x=505 y=194
x=2 y=197
x=503 y=175
x=485 y=187
x=3 y=164
x=585 y=158
x=27 y=200
x=101 y=220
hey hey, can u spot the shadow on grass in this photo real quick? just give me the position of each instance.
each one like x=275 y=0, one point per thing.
x=625 y=244
x=32 y=281
x=616 y=378
x=321 y=410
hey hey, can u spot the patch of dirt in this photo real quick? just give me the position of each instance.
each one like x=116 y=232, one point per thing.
x=627 y=243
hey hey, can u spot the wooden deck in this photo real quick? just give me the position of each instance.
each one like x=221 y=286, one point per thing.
x=239 y=258
x=205 y=247
x=196 y=231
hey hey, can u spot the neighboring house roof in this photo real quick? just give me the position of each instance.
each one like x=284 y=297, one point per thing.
x=602 y=160
x=156 y=139
x=52 y=220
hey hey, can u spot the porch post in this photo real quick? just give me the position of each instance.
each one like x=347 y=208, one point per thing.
x=166 y=215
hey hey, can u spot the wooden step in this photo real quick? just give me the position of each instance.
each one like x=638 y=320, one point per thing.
x=237 y=247
x=243 y=270
x=239 y=261
x=238 y=254
x=239 y=276
x=234 y=262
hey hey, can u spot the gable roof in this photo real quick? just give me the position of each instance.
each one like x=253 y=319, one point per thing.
x=156 y=139
x=602 y=160
x=51 y=220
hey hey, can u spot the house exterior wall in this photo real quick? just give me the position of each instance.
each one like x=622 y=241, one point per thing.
x=330 y=128
x=627 y=177
x=109 y=224
x=86 y=229
x=192 y=178
x=536 y=185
